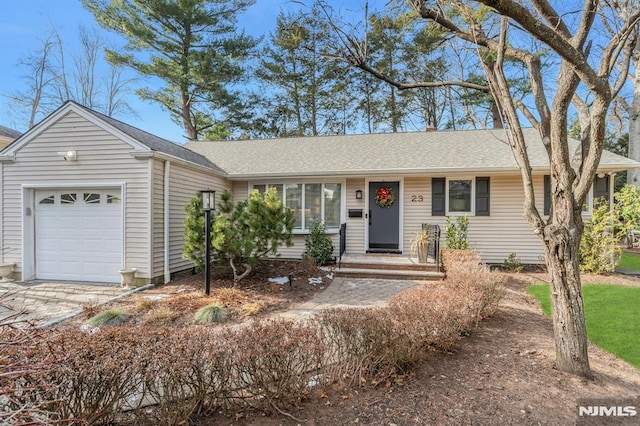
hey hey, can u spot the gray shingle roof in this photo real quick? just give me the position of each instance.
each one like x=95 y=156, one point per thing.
x=387 y=153
x=9 y=133
x=155 y=143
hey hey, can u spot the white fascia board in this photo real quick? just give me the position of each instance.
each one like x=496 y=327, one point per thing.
x=144 y=155
x=363 y=173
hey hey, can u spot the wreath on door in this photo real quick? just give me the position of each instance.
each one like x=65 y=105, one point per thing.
x=385 y=197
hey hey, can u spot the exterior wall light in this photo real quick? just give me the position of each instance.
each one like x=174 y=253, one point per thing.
x=69 y=155
x=358 y=194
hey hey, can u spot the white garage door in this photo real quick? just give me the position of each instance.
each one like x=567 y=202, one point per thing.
x=78 y=235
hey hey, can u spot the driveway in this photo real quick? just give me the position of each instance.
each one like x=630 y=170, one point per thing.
x=45 y=302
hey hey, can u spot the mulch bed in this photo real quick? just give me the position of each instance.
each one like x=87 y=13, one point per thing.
x=503 y=373
x=175 y=303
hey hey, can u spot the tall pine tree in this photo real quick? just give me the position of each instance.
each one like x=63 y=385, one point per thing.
x=192 y=45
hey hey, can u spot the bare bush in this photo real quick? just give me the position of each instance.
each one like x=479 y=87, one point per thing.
x=94 y=373
x=273 y=361
x=184 y=376
x=23 y=393
x=475 y=276
x=436 y=315
x=365 y=345
x=450 y=257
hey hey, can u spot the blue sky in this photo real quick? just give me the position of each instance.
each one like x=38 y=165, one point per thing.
x=25 y=23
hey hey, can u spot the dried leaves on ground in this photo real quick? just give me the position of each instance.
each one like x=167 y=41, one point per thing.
x=176 y=303
x=503 y=373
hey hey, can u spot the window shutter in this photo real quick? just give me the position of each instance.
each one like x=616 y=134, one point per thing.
x=600 y=190
x=438 y=195
x=547 y=194
x=482 y=196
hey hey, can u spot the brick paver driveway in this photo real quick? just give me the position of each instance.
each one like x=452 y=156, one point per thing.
x=42 y=302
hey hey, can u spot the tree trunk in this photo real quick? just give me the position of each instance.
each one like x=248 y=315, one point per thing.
x=562 y=251
x=238 y=277
x=633 y=176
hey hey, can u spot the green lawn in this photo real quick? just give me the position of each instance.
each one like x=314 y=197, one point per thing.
x=630 y=261
x=612 y=314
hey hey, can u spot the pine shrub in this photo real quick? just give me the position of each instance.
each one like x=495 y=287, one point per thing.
x=318 y=244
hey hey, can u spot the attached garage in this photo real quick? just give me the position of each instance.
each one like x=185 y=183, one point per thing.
x=78 y=234
x=85 y=195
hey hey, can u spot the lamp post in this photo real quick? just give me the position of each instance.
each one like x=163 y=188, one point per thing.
x=208 y=198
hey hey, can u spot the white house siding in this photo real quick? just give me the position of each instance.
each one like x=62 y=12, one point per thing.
x=184 y=184
x=506 y=230
x=417 y=208
x=157 y=217
x=493 y=237
x=355 y=226
x=240 y=190
x=102 y=159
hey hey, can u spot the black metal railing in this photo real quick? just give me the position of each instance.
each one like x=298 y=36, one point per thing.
x=433 y=244
x=343 y=242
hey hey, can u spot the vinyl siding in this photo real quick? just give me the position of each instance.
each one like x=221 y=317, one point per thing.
x=240 y=190
x=157 y=217
x=184 y=184
x=417 y=208
x=493 y=237
x=355 y=226
x=102 y=158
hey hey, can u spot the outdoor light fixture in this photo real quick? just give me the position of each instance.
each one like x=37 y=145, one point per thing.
x=208 y=204
x=358 y=194
x=208 y=198
x=69 y=155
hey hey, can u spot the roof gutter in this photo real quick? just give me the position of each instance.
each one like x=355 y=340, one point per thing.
x=143 y=155
x=408 y=172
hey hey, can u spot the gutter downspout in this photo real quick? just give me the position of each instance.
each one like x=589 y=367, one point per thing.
x=167 y=270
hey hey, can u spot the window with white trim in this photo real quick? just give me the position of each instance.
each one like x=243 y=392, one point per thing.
x=460 y=196
x=310 y=201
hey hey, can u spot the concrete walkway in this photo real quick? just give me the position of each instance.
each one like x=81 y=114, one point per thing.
x=42 y=302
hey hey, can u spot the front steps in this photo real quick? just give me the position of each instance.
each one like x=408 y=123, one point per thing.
x=387 y=266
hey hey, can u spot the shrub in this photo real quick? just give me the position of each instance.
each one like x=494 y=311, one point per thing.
x=628 y=205
x=194 y=229
x=214 y=312
x=318 y=244
x=599 y=249
x=273 y=361
x=434 y=316
x=184 y=375
x=24 y=394
x=512 y=263
x=474 y=277
x=249 y=230
x=456 y=233
x=363 y=344
x=94 y=375
x=451 y=258
x=111 y=316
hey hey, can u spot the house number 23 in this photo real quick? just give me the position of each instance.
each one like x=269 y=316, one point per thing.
x=417 y=199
